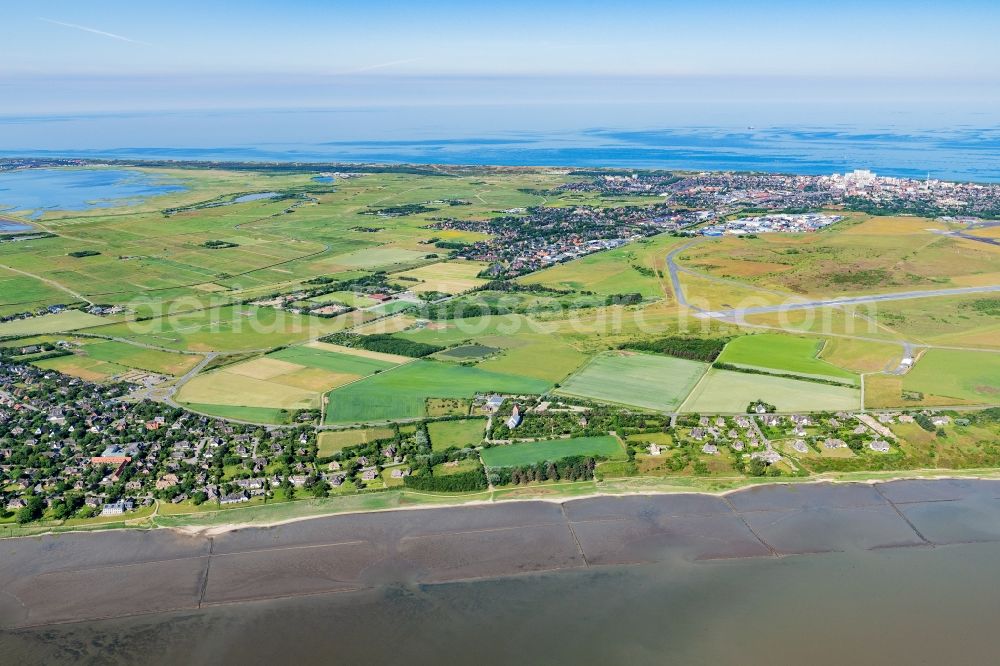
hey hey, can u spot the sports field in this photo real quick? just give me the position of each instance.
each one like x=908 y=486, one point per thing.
x=402 y=392
x=531 y=453
x=788 y=353
x=629 y=378
x=723 y=391
x=966 y=375
x=445 y=434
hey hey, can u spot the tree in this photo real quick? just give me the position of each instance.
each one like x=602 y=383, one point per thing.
x=32 y=511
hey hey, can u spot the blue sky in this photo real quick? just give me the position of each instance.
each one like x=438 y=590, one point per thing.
x=62 y=56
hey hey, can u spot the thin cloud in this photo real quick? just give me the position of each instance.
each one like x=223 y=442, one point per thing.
x=94 y=31
x=381 y=65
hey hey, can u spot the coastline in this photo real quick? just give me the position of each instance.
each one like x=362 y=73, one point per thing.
x=543 y=493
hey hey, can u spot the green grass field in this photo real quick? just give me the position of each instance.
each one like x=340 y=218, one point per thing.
x=402 y=392
x=153 y=360
x=788 y=353
x=332 y=441
x=530 y=453
x=67 y=320
x=965 y=375
x=612 y=271
x=642 y=380
x=723 y=391
x=229 y=328
x=252 y=414
x=445 y=434
x=332 y=361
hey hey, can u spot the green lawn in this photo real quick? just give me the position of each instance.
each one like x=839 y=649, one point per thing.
x=252 y=414
x=530 y=453
x=332 y=361
x=445 y=434
x=402 y=392
x=331 y=441
x=229 y=328
x=957 y=374
x=789 y=353
x=643 y=380
x=67 y=320
x=724 y=391
x=153 y=360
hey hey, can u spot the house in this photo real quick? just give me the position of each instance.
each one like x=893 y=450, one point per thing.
x=879 y=446
x=697 y=433
x=710 y=449
x=800 y=446
x=117 y=508
x=493 y=402
x=654 y=450
x=770 y=456
x=369 y=474
x=515 y=418
x=234 y=498
x=167 y=481
x=835 y=444
x=399 y=473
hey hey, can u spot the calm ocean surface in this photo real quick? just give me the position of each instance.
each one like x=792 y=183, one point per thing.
x=957 y=143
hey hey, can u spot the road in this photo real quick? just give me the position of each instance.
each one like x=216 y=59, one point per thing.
x=49 y=282
x=675 y=270
x=852 y=300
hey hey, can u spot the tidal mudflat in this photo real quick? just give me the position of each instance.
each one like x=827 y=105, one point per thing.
x=86 y=576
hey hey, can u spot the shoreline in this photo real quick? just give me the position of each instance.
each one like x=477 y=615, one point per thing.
x=212 y=530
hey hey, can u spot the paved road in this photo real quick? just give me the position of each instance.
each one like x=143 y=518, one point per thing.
x=675 y=270
x=853 y=300
x=968 y=236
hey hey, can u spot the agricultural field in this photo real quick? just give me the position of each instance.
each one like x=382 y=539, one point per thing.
x=630 y=378
x=403 y=392
x=228 y=328
x=530 y=453
x=186 y=266
x=449 y=277
x=727 y=392
x=963 y=375
x=290 y=379
x=446 y=434
x=783 y=353
x=60 y=322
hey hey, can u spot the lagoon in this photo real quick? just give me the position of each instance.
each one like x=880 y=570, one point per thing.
x=42 y=190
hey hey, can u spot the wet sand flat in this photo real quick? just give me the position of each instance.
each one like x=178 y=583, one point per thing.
x=76 y=577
